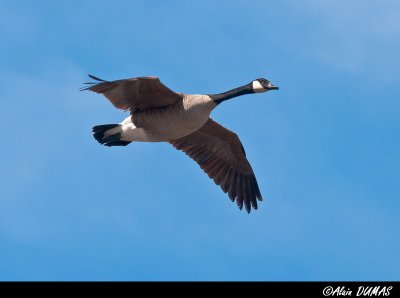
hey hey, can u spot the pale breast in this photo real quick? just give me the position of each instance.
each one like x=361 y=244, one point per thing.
x=175 y=121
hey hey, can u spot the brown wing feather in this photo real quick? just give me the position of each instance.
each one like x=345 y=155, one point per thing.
x=220 y=154
x=136 y=94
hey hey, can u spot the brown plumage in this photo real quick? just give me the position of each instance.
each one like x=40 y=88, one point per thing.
x=160 y=114
x=220 y=154
x=135 y=94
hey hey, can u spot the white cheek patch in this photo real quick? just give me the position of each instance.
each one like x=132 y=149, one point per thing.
x=257 y=87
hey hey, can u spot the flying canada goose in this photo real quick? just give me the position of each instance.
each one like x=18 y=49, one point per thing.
x=159 y=114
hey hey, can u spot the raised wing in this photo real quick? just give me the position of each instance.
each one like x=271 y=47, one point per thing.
x=220 y=154
x=135 y=94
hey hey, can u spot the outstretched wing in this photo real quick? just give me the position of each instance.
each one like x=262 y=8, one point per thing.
x=220 y=154
x=135 y=94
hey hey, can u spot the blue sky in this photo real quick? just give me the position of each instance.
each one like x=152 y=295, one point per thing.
x=325 y=148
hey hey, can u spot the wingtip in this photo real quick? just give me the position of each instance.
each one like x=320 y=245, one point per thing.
x=91 y=84
x=96 y=78
x=248 y=209
x=84 y=88
x=239 y=202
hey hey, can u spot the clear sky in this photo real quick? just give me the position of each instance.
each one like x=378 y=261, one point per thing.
x=325 y=147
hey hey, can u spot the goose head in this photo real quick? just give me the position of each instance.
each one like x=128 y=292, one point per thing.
x=262 y=85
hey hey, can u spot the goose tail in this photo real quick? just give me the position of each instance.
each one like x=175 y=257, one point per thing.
x=109 y=135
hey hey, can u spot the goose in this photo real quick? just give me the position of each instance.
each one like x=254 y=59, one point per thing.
x=158 y=114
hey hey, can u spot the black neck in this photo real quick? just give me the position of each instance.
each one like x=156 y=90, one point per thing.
x=246 y=89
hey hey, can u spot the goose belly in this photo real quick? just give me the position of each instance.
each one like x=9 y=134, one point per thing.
x=165 y=124
x=173 y=128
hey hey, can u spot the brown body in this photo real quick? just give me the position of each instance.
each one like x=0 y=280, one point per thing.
x=159 y=114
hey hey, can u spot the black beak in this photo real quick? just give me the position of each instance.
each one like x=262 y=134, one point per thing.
x=272 y=87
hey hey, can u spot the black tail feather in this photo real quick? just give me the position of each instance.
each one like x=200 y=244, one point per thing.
x=113 y=140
